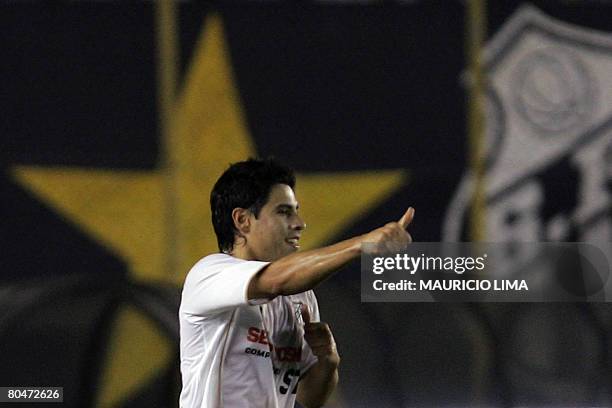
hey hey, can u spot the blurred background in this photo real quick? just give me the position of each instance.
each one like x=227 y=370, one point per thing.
x=491 y=118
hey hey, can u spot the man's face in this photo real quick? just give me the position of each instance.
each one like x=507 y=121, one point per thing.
x=276 y=231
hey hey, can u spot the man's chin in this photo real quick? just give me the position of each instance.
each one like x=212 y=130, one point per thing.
x=290 y=249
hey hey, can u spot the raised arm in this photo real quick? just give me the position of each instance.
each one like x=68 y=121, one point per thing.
x=302 y=271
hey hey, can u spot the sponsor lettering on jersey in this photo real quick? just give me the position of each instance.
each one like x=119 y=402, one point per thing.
x=285 y=354
x=257 y=352
x=256 y=335
x=289 y=354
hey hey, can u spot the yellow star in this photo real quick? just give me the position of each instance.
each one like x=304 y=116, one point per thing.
x=127 y=212
x=158 y=221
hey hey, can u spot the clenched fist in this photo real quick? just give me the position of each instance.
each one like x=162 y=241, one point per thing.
x=320 y=339
x=393 y=236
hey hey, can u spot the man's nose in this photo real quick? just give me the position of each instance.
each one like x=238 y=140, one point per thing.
x=299 y=223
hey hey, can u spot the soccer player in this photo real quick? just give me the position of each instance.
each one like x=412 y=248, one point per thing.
x=250 y=329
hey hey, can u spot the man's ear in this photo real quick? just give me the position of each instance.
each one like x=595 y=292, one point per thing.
x=242 y=220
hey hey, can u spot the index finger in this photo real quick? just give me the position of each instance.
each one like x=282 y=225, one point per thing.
x=406 y=219
x=305 y=313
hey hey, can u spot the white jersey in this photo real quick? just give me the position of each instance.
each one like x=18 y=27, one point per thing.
x=236 y=353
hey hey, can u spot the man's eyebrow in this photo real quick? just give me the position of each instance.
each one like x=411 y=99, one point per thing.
x=287 y=206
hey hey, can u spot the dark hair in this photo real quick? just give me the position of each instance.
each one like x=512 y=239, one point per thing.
x=244 y=184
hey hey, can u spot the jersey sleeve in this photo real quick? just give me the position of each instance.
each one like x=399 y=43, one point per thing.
x=218 y=287
x=309 y=358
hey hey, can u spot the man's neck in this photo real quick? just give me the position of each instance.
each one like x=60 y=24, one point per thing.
x=242 y=252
